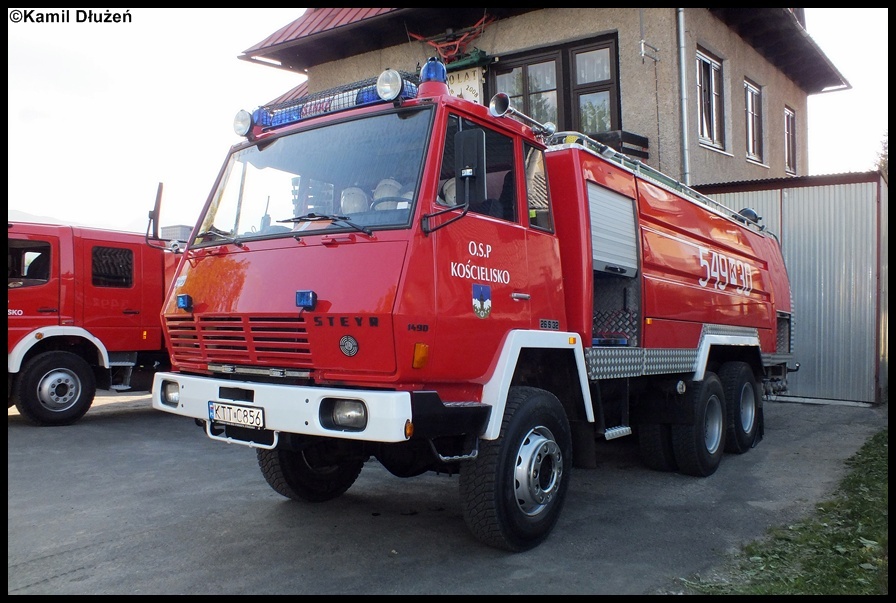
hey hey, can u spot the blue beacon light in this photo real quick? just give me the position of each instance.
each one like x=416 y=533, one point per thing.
x=433 y=78
x=306 y=299
x=185 y=302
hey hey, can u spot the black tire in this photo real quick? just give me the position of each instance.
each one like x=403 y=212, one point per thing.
x=655 y=446
x=699 y=444
x=313 y=473
x=54 y=388
x=513 y=492
x=744 y=406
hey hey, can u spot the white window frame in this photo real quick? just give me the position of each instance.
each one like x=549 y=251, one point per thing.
x=710 y=97
x=789 y=140
x=753 y=117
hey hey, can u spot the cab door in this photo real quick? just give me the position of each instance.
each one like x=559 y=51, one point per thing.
x=480 y=249
x=33 y=284
x=114 y=308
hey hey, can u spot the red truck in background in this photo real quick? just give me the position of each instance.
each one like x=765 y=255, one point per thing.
x=83 y=313
x=384 y=271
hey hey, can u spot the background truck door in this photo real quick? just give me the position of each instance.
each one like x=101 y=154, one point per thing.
x=113 y=282
x=34 y=284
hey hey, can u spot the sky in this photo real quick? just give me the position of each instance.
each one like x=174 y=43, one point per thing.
x=100 y=113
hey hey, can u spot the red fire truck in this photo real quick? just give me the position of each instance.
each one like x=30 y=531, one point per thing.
x=83 y=314
x=386 y=272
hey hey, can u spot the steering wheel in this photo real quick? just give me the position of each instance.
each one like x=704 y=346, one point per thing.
x=383 y=200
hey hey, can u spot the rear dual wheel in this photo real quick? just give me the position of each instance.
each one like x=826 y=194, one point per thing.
x=699 y=444
x=744 y=402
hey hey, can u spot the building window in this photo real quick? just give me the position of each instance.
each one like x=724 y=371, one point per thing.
x=586 y=100
x=532 y=88
x=789 y=140
x=592 y=88
x=709 y=101
x=753 y=108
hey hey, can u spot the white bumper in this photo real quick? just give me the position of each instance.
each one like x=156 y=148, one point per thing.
x=287 y=408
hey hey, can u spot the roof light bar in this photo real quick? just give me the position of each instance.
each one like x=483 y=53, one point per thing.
x=389 y=86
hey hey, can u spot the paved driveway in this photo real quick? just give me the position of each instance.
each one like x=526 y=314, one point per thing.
x=135 y=501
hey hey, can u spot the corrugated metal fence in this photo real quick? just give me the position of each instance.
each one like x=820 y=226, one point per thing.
x=834 y=238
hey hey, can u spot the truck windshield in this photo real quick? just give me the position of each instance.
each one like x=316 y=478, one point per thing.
x=359 y=175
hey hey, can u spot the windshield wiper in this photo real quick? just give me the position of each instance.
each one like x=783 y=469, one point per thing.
x=213 y=232
x=312 y=217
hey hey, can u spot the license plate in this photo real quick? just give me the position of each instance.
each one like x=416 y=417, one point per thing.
x=235 y=414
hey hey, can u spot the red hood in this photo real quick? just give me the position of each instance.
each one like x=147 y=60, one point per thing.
x=244 y=305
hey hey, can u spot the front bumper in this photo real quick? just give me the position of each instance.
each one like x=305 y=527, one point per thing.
x=298 y=410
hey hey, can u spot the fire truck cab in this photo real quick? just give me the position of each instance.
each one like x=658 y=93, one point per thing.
x=83 y=314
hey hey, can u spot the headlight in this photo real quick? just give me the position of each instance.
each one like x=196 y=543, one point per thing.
x=388 y=84
x=242 y=123
x=170 y=393
x=343 y=414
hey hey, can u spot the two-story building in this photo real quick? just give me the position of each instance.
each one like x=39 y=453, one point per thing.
x=716 y=98
x=702 y=94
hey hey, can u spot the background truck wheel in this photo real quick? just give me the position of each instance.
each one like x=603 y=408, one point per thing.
x=699 y=444
x=744 y=406
x=54 y=388
x=655 y=446
x=514 y=490
x=314 y=473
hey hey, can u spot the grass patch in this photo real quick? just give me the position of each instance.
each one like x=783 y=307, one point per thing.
x=841 y=550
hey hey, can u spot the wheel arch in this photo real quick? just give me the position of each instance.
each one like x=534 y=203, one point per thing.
x=722 y=354
x=553 y=361
x=720 y=344
x=68 y=339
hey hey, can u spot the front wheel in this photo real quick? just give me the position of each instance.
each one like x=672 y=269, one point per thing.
x=54 y=388
x=699 y=443
x=317 y=471
x=514 y=490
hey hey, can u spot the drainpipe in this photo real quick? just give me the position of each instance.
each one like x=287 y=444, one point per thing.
x=683 y=101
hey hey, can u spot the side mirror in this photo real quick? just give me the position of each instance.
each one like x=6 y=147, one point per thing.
x=469 y=166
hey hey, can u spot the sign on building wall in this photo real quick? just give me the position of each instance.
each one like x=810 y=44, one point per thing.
x=466 y=84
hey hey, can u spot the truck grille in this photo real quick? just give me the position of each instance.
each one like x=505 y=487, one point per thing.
x=250 y=340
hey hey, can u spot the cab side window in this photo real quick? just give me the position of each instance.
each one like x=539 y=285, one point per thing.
x=39 y=267
x=537 y=189
x=27 y=262
x=112 y=267
x=501 y=194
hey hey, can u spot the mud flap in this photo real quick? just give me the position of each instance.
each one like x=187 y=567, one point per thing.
x=760 y=428
x=584 y=449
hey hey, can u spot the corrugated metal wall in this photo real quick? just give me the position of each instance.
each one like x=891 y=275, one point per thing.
x=884 y=352
x=834 y=243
